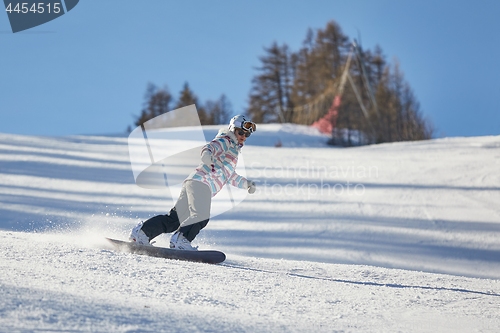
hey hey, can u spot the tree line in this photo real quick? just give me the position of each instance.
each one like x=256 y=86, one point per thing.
x=364 y=98
x=158 y=101
x=376 y=103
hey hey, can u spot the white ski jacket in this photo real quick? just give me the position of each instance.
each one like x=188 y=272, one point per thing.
x=224 y=149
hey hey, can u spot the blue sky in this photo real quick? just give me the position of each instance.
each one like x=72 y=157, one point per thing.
x=86 y=72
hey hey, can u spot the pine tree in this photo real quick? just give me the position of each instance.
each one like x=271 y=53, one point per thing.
x=318 y=67
x=270 y=97
x=188 y=97
x=401 y=118
x=219 y=111
x=156 y=102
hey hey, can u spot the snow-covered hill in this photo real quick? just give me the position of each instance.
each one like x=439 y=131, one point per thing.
x=395 y=237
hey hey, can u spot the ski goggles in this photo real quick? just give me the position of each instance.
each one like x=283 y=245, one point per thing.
x=242 y=132
x=248 y=126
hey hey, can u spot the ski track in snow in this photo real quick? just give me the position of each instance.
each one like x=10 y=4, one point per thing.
x=417 y=251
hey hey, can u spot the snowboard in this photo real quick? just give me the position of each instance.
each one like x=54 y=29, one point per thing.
x=205 y=256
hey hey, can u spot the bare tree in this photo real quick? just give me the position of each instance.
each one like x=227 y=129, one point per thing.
x=156 y=102
x=270 y=97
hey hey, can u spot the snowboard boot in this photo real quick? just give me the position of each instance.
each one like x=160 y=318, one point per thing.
x=179 y=242
x=138 y=236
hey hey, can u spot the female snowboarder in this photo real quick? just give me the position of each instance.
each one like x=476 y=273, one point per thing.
x=192 y=209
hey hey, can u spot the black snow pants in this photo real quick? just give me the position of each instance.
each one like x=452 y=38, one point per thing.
x=167 y=223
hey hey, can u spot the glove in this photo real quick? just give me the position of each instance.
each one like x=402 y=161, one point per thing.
x=207 y=158
x=251 y=186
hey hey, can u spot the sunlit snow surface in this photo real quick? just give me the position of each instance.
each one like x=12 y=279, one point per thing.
x=386 y=238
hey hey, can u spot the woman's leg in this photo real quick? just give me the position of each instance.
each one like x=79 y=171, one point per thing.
x=199 y=198
x=161 y=224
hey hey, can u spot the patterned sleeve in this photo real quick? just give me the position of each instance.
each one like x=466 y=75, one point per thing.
x=238 y=181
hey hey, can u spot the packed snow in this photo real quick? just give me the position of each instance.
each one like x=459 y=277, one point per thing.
x=401 y=237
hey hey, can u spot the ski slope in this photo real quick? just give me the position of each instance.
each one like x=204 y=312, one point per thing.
x=401 y=237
